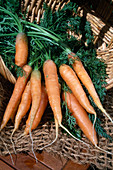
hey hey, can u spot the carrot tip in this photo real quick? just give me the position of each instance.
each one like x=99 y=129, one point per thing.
x=7 y=150
x=11 y=138
x=2 y=126
x=56 y=124
x=72 y=135
x=108 y=116
x=32 y=145
x=103 y=150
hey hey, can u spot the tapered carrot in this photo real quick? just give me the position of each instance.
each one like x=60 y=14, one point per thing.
x=21 y=49
x=86 y=80
x=52 y=87
x=35 y=86
x=39 y=114
x=14 y=111
x=16 y=95
x=69 y=76
x=73 y=83
x=22 y=109
x=35 y=83
x=23 y=106
x=82 y=118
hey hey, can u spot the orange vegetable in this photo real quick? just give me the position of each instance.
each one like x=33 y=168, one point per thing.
x=21 y=49
x=53 y=91
x=39 y=114
x=81 y=116
x=73 y=83
x=35 y=83
x=16 y=95
x=52 y=87
x=86 y=80
x=23 y=106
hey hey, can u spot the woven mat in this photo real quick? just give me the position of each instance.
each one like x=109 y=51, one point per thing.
x=65 y=145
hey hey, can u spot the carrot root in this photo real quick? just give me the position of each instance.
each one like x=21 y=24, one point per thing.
x=32 y=145
x=11 y=138
x=56 y=124
x=103 y=150
x=72 y=135
x=94 y=125
x=104 y=111
x=7 y=150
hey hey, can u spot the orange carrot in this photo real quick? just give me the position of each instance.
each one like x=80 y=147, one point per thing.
x=22 y=109
x=52 y=87
x=53 y=91
x=14 y=111
x=17 y=93
x=69 y=76
x=35 y=82
x=39 y=114
x=21 y=49
x=81 y=116
x=86 y=80
x=23 y=106
x=73 y=83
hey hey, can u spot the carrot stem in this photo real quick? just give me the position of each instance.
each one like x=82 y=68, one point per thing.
x=15 y=18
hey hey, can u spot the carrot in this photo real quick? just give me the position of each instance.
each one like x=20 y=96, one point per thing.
x=22 y=109
x=69 y=76
x=35 y=81
x=42 y=107
x=35 y=86
x=52 y=87
x=82 y=118
x=14 y=111
x=23 y=106
x=73 y=83
x=86 y=80
x=21 y=49
x=16 y=95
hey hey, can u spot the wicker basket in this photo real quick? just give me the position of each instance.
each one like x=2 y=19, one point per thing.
x=100 y=18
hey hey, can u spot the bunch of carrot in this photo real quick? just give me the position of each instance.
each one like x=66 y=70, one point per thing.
x=28 y=94
x=32 y=94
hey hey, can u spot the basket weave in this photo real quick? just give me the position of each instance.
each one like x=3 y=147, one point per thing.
x=100 y=18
